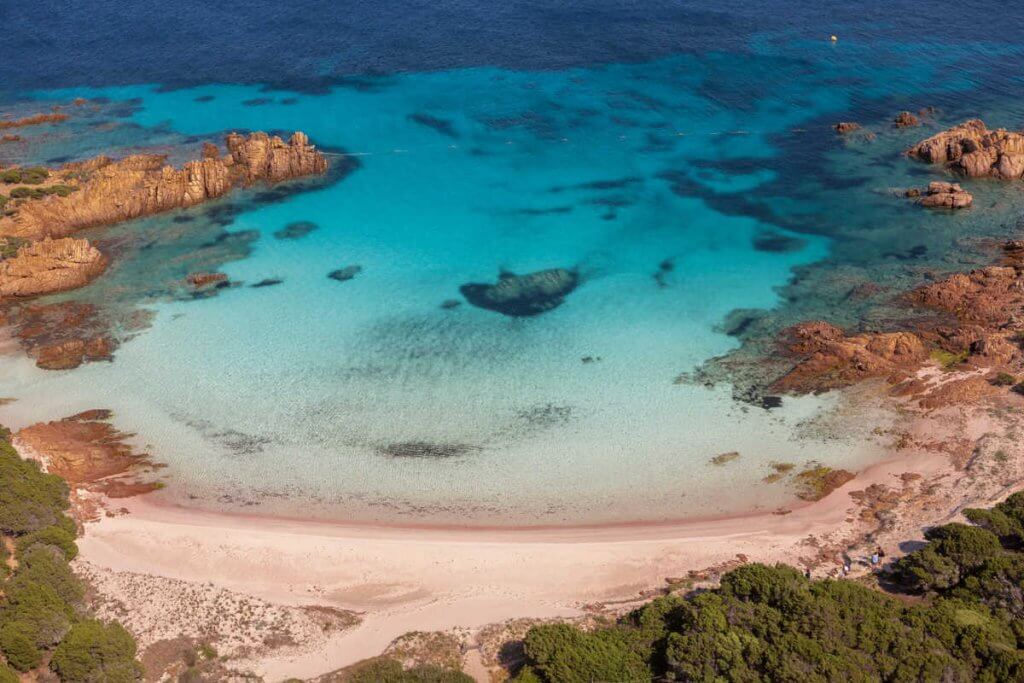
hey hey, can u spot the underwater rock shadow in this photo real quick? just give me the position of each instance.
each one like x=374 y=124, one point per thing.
x=522 y=296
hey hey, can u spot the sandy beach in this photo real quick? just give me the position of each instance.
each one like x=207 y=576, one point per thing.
x=397 y=580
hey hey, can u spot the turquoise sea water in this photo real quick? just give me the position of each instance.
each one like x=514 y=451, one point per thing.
x=306 y=397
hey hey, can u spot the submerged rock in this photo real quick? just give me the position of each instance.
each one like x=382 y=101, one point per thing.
x=906 y=120
x=523 y=295
x=449 y=304
x=296 y=230
x=971 y=149
x=424 y=449
x=207 y=280
x=844 y=127
x=268 y=282
x=345 y=274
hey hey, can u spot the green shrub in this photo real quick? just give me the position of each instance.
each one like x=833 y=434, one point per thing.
x=561 y=652
x=387 y=670
x=11 y=175
x=1004 y=379
x=40 y=609
x=46 y=565
x=29 y=498
x=56 y=536
x=34 y=175
x=18 y=645
x=95 y=651
x=7 y=674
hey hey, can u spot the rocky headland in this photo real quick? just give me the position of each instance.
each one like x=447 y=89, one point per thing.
x=110 y=191
x=46 y=206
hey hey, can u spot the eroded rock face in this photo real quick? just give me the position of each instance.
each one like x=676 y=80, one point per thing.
x=942 y=195
x=828 y=359
x=113 y=191
x=49 y=266
x=971 y=149
x=523 y=295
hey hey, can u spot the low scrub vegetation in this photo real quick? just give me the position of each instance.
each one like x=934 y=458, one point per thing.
x=43 y=621
x=963 y=620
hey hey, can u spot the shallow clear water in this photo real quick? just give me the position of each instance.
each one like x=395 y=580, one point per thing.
x=294 y=398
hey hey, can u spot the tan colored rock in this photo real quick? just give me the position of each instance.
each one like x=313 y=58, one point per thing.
x=142 y=185
x=50 y=266
x=971 y=149
x=844 y=127
x=945 y=196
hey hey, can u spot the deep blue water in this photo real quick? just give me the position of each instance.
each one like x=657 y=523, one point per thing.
x=679 y=160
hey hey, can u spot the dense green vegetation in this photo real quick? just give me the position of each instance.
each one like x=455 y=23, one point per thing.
x=33 y=175
x=962 y=619
x=40 y=192
x=387 y=670
x=42 y=618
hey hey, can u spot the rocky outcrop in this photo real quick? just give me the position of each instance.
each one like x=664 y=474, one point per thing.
x=906 y=120
x=992 y=296
x=828 y=359
x=942 y=195
x=113 y=191
x=88 y=452
x=49 y=266
x=971 y=149
x=844 y=127
x=523 y=295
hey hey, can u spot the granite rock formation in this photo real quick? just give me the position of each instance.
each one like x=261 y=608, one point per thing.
x=49 y=266
x=972 y=150
x=113 y=191
x=943 y=195
x=829 y=359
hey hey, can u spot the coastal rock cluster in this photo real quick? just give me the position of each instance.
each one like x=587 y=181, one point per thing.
x=829 y=359
x=111 y=191
x=972 y=150
x=942 y=195
x=50 y=266
x=103 y=191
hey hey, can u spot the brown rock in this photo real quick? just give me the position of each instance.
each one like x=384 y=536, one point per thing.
x=199 y=280
x=33 y=120
x=69 y=354
x=973 y=150
x=906 y=120
x=87 y=452
x=946 y=195
x=141 y=185
x=989 y=296
x=50 y=266
x=828 y=359
x=844 y=127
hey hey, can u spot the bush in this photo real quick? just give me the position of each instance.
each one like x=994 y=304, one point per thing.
x=564 y=653
x=45 y=565
x=18 y=645
x=29 y=498
x=1004 y=379
x=387 y=670
x=95 y=651
x=38 y=607
x=7 y=674
x=55 y=536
